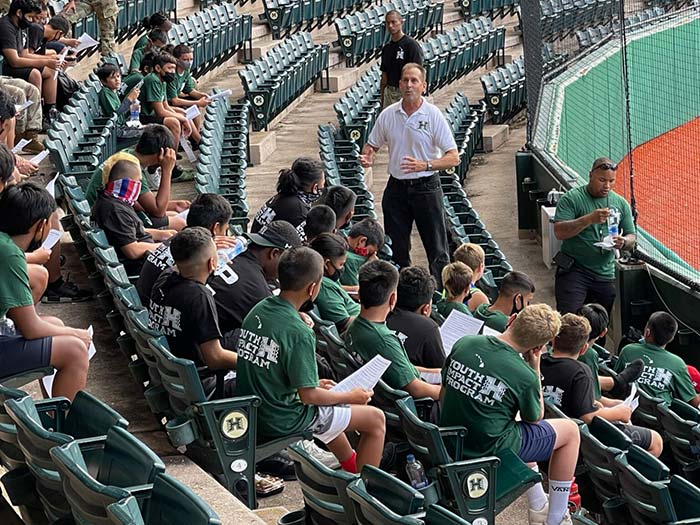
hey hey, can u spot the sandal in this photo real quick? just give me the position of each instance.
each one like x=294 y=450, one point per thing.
x=266 y=485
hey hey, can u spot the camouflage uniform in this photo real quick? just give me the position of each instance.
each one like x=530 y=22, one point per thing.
x=106 y=12
x=21 y=91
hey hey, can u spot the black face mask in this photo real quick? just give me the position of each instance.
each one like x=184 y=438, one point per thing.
x=307 y=306
x=168 y=77
x=335 y=276
x=515 y=309
x=23 y=23
x=36 y=243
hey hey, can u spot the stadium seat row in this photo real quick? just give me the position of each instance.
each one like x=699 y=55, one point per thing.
x=359 y=107
x=281 y=75
x=467 y=47
x=550 y=58
x=131 y=14
x=467 y=123
x=562 y=18
x=504 y=90
x=215 y=35
x=222 y=157
x=490 y=8
x=592 y=35
x=362 y=35
x=78 y=462
x=287 y=16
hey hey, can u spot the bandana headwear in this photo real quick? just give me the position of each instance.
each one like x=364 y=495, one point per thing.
x=126 y=190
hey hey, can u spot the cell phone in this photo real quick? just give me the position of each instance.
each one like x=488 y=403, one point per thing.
x=137 y=86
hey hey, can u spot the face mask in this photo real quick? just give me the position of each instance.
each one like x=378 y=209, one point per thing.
x=307 y=306
x=126 y=190
x=185 y=64
x=168 y=77
x=36 y=243
x=308 y=198
x=23 y=23
x=335 y=276
x=361 y=250
x=515 y=309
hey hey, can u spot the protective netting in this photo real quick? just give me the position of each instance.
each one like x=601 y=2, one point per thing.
x=643 y=113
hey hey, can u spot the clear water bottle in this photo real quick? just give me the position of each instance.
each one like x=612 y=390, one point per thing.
x=614 y=222
x=7 y=327
x=135 y=110
x=416 y=474
x=226 y=255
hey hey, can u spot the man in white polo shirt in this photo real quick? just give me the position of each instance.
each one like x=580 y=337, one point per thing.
x=420 y=145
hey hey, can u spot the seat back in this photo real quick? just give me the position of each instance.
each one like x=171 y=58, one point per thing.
x=681 y=430
x=601 y=443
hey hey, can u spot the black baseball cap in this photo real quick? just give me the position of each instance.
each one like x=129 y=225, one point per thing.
x=277 y=234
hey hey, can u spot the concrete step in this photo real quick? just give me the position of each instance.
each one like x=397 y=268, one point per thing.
x=495 y=135
x=271 y=515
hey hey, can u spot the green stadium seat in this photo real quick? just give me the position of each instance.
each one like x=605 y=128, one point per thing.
x=646 y=415
x=681 y=431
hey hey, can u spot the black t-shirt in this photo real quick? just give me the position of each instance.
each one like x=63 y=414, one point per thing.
x=35 y=39
x=290 y=208
x=568 y=384
x=395 y=55
x=237 y=287
x=122 y=226
x=420 y=336
x=10 y=35
x=156 y=262
x=184 y=311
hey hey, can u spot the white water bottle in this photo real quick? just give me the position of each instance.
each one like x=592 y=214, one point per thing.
x=226 y=255
x=416 y=473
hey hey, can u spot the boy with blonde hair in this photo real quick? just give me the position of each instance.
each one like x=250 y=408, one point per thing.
x=456 y=278
x=473 y=256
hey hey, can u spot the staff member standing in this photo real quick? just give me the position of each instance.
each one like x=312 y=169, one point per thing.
x=585 y=272
x=400 y=50
x=420 y=143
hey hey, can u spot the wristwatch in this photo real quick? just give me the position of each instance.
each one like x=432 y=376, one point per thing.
x=428 y=166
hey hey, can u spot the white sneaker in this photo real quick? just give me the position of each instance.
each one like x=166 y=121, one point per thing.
x=539 y=517
x=326 y=458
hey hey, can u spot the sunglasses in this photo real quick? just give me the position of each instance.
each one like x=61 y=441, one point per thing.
x=606 y=166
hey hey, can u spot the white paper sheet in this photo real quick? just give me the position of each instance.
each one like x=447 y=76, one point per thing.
x=184 y=214
x=51 y=186
x=433 y=378
x=61 y=59
x=20 y=145
x=632 y=400
x=21 y=107
x=185 y=144
x=456 y=326
x=41 y=156
x=490 y=331
x=192 y=112
x=366 y=377
x=222 y=94
x=86 y=41
x=51 y=239
x=48 y=380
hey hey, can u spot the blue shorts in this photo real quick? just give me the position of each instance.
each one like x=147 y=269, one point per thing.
x=537 y=441
x=18 y=355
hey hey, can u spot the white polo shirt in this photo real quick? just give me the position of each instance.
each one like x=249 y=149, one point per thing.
x=425 y=135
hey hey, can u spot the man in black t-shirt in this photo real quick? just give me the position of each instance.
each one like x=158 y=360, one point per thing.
x=568 y=384
x=183 y=309
x=243 y=283
x=400 y=50
x=411 y=320
x=114 y=213
x=208 y=210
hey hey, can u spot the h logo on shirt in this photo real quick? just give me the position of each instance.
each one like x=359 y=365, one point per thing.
x=423 y=124
x=399 y=54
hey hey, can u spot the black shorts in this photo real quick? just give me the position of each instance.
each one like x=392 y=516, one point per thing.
x=640 y=436
x=19 y=72
x=159 y=223
x=18 y=355
x=150 y=119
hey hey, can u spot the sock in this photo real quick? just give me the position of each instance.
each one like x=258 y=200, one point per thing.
x=558 y=500
x=350 y=464
x=536 y=496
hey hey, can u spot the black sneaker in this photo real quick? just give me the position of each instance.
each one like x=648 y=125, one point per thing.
x=279 y=465
x=64 y=291
x=625 y=378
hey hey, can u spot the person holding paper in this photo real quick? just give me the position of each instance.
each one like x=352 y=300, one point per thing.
x=105 y=11
x=368 y=335
x=182 y=92
x=110 y=102
x=277 y=362
x=155 y=108
x=365 y=240
x=38 y=70
x=473 y=256
x=487 y=380
x=40 y=34
x=516 y=292
x=27 y=101
x=569 y=384
x=39 y=341
x=411 y=320
x=8 y=113
x=665 y=374
x=333 y=303
x=456 y=279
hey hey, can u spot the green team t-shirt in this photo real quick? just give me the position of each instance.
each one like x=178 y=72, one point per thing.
x=333 y=302
x=445 y=307
x=665 y=374
x=136 y=58
x=486 y=382
x=110 y=103
x=367 y=339
x=96 y=185
x=591 y=359
x=492 y=318
x=578 y=202
x=351 y=269
x=15 y=291
x=183 y=83
x=153 y=90
x=276 y=356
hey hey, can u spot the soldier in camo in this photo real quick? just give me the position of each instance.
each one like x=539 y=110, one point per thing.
x=106 y=12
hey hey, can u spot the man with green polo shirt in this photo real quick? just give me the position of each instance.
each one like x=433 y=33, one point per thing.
x=487 y=380
x=665 y=374
x=368 y=334
x=365 y=240
x=585 y=216
x=181 y=90
x=516 y=292
x=277 y=363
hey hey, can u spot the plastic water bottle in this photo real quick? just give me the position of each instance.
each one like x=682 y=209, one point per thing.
x=416 y=474
x=7 y=327
x=226 y=255
x=614 y=223
x=135 y=109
